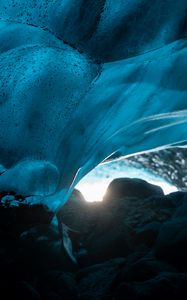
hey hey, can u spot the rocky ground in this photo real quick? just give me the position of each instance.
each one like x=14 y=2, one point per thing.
x=131 y=246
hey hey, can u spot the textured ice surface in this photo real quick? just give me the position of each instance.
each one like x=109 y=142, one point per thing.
x=81 y=80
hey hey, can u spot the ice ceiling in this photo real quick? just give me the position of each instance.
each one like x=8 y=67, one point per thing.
x=81 y=80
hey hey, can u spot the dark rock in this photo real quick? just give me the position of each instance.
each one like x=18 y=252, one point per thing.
x=16 y=219
x=5 y=193
x=42 y=249
x=10 y=198
x=82 y=257
x=171 y=201
x=19 y=198
x=145 y=268
x=11 y=268
x=51 y=296
x=137 y=213
x=165 y=286
x=182 y=210
x=79 y=214
x=99 y=234
x=58 y=283
x=111 y=241
x=96 y=282
x=20 y=290
x=127 y=187
x=131 y=223
x=171 y=244
x=148 y=233
x=83 y=219
x=125 y=291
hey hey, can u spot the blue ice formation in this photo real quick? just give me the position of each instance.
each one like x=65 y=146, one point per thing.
x=81 y=80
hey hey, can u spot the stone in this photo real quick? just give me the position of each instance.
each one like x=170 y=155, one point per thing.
x=20 y=290
x=111 y=241
x=78 y=214
x=58 y=283
x=164 y=286
x=43 y=249
x=28 y=215
x=96 y=282
x=148 y=233
x=171 y=244
x=145 y=268
x=181 y=210
x=125 y=291
x=131 y=187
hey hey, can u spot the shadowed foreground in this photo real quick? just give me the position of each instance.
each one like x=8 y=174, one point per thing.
x=123 y=248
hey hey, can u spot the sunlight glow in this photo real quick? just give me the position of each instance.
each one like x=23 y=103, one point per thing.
x=93 y=191
x=94 y=185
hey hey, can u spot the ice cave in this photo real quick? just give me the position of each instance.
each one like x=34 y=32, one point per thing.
x=93 y=106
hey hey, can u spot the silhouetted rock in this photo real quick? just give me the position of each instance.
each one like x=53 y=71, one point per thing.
x=128 y=248
x=145 y=268
x=148 y=233
x=127 y=187
x=16 y=219
x=125 y=291
x=171 y=244
x=182 y=209
x=20 y=290
x=170 y=201
x=164 y=286
x=96 y=282
x=102 y=246
x=58 y=283
x=43 y=249
x=131 y=222
x=78 y=214
x=51 y=296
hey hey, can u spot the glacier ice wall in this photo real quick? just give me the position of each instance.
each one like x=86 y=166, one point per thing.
x=170 y=164
x=81 y=80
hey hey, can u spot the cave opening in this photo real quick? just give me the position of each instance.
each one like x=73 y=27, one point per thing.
x=147 y=167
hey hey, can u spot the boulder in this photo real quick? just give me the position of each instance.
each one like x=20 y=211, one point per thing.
x=182 y=209
x=112 y=240
x=145 y=268
x=41 y=249
x=148 y=233
x=57 y=284
x=164 y=286
x=171 y=243
x=16 y=219
x=171 y=201
x=96 y=282
x=79 y=214
x=131 y=223
x=131 y=187
x=127 y=290
x=20 y=290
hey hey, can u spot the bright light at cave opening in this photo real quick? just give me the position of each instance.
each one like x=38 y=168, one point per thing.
x=93 y=191
x=94 y=185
